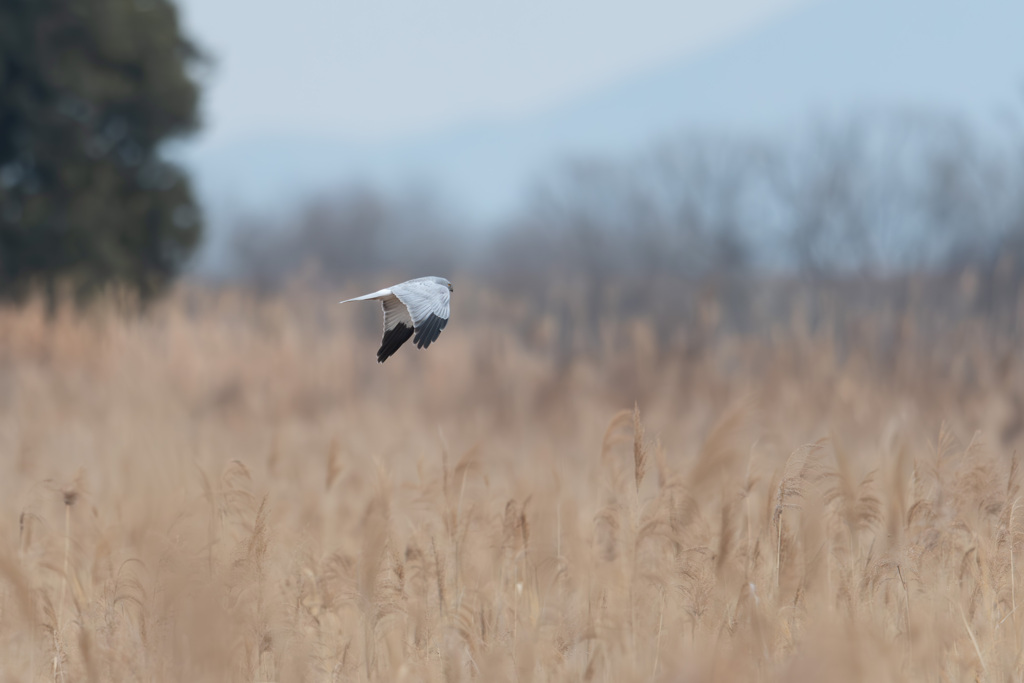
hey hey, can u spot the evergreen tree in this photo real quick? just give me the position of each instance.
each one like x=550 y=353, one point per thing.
x=89 y=91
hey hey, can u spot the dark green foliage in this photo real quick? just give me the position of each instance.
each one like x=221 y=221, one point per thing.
x=89 y=90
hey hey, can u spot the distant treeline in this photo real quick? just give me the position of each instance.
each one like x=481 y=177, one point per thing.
x=875 y=198
x=873 y=195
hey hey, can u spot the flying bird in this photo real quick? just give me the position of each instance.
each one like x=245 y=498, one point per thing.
x=417 y=307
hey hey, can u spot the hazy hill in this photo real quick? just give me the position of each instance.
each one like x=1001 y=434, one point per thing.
x=823 y=59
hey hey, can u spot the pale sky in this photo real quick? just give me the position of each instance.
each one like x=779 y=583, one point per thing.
x=387 y=69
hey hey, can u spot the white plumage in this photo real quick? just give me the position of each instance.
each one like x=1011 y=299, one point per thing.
x=417 y=307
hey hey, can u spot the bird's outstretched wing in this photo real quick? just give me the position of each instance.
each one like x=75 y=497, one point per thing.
x=427 y=303
x=398 y=327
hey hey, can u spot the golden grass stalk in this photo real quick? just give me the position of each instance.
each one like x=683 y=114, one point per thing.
x=353 y=554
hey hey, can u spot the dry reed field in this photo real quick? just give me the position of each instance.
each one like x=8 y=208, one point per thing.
x=229 y=488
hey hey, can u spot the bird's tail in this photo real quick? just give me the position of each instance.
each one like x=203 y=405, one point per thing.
x=369 y=297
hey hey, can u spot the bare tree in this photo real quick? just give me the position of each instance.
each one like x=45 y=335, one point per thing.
x=356 y=232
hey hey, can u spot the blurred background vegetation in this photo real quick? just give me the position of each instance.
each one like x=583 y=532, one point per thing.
x=908 y=212
x=90 y=92
x=857 y=207
x=816 y=333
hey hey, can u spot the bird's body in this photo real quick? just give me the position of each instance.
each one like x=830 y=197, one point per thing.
x=417 y=307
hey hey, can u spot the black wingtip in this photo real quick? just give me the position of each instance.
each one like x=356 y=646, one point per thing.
x=429 y=331
x=393 y=340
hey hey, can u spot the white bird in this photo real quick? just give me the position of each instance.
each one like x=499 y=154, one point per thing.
x=419 y=306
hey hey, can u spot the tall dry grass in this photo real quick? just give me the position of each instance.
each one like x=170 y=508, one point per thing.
x=230 y=489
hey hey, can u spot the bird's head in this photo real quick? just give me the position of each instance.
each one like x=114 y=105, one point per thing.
x=441 y=281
